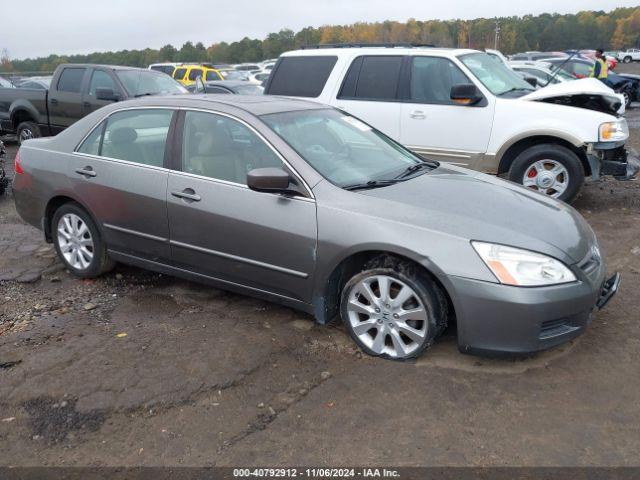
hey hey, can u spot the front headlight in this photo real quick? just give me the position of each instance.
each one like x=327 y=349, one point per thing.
x=517 y=267
x=614 y=131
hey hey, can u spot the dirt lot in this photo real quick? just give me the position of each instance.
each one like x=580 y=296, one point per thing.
x=141 y=369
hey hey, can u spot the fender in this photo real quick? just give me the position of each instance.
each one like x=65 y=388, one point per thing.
x=566 y=136
x=23 y=105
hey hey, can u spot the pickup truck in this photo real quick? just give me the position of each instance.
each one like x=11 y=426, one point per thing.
x=76 y=90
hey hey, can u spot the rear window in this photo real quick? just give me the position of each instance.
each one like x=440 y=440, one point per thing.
x=372 y=78
x=195 y=73
x=301 y=76
x=179 y=73
x=71 y=80
x=168 y=69
x=211 y=75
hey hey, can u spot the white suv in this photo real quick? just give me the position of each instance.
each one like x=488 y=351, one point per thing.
x=631 y=55
x=467 y=108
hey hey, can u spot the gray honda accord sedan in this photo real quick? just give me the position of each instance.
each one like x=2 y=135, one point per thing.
x=310 y=207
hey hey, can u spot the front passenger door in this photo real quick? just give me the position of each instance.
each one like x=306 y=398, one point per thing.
x=99 y=79
x=433 y=125
x=222 y=229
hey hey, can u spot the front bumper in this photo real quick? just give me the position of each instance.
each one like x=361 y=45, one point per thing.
x=494 y=318
x=621 y=163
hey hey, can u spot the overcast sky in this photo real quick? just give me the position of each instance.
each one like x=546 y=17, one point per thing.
x=41 y=27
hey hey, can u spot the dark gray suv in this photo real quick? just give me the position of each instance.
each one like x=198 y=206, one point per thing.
x=310 y=207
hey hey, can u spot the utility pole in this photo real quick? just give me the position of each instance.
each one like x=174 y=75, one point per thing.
x=495 y=42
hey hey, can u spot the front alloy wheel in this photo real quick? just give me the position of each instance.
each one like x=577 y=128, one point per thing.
x=547 y=176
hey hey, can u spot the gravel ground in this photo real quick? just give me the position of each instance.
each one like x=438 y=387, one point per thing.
x=137 y=368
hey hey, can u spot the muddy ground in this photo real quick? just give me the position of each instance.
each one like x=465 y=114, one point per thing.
x=137 y=368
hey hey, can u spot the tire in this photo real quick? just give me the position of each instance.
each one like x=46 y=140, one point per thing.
x=627 y=98
x=627 y=59
x=546 y=160
x=27 y=130
x=82 y=264
x=387 y=333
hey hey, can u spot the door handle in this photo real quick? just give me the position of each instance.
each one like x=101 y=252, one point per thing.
x=187 y=194
x=418 y=115
x=86 y=171
x=86 y=104
x=54 y=101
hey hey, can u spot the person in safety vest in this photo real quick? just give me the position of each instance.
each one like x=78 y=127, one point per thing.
x=600 y=69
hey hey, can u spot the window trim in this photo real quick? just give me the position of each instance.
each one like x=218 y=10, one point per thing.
x=481 y=104
x=174 y=145
x=399 y=87
x=103 y=124
x=82 y=80
x=178 y=140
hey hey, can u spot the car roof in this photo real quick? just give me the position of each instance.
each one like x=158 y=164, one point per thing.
x=96 y=65
x=254 y=104
x=343 y=51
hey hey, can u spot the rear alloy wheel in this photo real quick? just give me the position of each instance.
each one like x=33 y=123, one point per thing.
x=627 y=59
x=549 y=169
x=27 y=131
x=392 y=314
x=627 y=98
x=78 y=242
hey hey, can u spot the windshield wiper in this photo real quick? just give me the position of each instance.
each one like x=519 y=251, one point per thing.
x=415 y=167
x=371 y=184
x=143 y=94
x=516 y=89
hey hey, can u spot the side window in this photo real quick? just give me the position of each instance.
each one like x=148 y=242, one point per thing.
x=219 y=147
x=71 y=80
x=101 y=79
x=91 y=144
x=372 y=78
x=195 y=73
x=211 y=75
x=137 y=136
x=178 y=74
x=301 y=76
x=432 y=79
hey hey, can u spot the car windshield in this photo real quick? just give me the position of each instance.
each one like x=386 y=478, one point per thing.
x=494 y=75
x=343 y=149
x=146 y=82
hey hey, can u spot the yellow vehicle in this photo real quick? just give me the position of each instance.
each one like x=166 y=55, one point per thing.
x=187 y=74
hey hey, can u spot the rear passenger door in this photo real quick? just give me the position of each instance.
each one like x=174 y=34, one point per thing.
x=222 y=229
x=65 y=98
x=119 y=173
x=435 y=126
x=371 y=91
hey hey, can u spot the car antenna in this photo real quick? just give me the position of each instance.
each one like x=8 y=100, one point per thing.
x=557 y=70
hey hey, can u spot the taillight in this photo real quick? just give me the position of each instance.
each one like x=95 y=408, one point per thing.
x=18 y=168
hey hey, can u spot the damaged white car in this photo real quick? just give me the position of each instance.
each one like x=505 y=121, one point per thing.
x=465 y=107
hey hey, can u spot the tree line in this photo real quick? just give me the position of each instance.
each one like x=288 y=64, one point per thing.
x=616 y=29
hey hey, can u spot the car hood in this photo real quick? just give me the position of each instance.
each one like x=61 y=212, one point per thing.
x=476 y=206
x=574 y=93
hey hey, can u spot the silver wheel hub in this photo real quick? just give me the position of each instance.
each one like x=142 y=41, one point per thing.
x=25 y=134
x=547 y=176
x=75 y=241
x=387 y=316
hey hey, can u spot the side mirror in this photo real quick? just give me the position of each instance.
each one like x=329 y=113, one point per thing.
x=533 y=81
x=268 y=180
x=103 y=93
x=466 y=94
x=200 y=86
